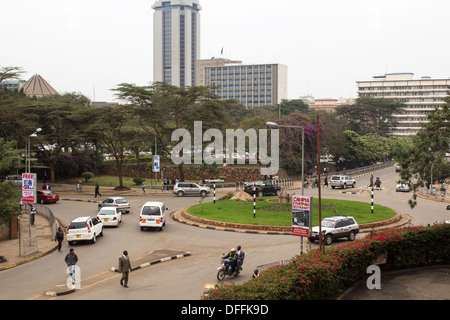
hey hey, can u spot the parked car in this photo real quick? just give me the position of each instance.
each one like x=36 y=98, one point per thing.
x=261 y=189
x=403 y=185
x=110 y=216
x=342 y=182
x=334 y=228
x=84 y=229
x=153 y=215
x=46 y=196
x=398 y=168
x=118 y=202
x=190 y=188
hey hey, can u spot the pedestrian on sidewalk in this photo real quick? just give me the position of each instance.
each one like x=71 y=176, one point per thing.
x=143 y=186
x=71 y=259
x=59 y=236
x=32 y=214
x=124 y=268
x=97 y=190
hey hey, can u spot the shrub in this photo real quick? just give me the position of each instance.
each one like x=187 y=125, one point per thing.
x=137 y=181
x=317 y=275
x=87 y=175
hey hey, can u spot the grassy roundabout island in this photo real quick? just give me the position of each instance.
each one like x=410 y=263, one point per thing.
x=280 y=214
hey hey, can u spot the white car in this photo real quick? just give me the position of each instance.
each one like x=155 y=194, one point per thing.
x=342 y=182
x=84 y=229
x=334 y=228
x=117 y=202
x=403 y=186
x=152 y=215
x=110 y=216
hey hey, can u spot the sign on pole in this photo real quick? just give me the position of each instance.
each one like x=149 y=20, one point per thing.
x=28 y=188
x=301 y=216
x=156 y=167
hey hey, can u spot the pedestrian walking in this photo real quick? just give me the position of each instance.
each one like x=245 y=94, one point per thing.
x=59 y=236
x=143 y=186
x=97 y=190
x=32 y=214
x=124 y=268
x=71 y=259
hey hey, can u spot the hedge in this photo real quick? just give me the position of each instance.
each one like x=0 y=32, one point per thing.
x=317 y=275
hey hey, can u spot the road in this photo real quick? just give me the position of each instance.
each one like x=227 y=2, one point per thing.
x=183 y=278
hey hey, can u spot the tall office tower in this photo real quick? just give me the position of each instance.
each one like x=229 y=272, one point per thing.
x=176 y=41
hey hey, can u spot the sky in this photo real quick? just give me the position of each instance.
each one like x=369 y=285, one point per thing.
x=91 y=46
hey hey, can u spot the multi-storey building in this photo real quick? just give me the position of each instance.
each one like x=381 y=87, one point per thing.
x=253 y=85
x=176 y=41
x=420 y=96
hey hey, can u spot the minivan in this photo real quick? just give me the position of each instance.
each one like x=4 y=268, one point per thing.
x=153 y=215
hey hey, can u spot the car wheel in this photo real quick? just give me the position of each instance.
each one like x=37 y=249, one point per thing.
x=332 y=187
x=328 y=239
x=344 y=186
x=351 y=236
x=354 y=185
x=42 y=201
x=101 y=233
x=278 y=193
x=94 y=239
x=203 y=193
x=180 y=193
x=260 y=194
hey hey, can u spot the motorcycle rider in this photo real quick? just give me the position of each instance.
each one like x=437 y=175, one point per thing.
x=232 y=260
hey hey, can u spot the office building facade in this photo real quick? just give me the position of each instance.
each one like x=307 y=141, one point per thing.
x=253 y=85
x=176 y=41
x=421 y=96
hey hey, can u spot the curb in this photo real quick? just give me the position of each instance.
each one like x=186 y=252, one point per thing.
x=114 y=269
x=147 y=264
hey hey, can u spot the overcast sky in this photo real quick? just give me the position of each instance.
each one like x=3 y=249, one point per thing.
x=90 y=46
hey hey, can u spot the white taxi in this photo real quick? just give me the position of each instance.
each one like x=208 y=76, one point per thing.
x=110 y=216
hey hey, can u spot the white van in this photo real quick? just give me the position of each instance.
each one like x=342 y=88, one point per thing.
x=153 y=215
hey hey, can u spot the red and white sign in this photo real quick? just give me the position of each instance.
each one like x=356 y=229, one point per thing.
x=28 y=187
x=301 y=216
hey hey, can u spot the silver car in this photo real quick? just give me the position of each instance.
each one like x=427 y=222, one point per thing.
x=190 y=188
x=118 y=202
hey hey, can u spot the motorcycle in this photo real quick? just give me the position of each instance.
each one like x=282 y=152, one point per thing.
x=224 y=269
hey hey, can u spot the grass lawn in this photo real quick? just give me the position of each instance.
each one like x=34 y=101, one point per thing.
x=280 y=214
x=110 y=181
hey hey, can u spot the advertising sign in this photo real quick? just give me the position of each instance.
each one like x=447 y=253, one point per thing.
x=156 y=167
x=301 y=216
x=28 y=187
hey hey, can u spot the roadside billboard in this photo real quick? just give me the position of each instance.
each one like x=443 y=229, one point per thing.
x=301 y=216
x=28 y=187
x=156 y=161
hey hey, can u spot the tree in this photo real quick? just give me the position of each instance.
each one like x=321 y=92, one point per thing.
x=426 y=157
x=63 y=121
x=162 y=108
x=371 y=115
x=113 y=128
x=8 y=157
x=9 y=199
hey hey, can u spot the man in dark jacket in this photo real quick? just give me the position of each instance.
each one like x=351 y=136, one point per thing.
x=71 y=259
x=233 y=258
x=59 y=237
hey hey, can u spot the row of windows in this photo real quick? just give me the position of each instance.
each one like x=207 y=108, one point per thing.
x=431 y=87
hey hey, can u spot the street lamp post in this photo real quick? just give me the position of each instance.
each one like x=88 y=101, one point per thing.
x=28 y=157
x=275 y=125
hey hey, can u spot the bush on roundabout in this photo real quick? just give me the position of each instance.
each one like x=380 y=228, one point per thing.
x=317 y=275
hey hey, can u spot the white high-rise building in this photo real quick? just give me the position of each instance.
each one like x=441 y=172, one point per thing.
x=176 y=41
x=421 y=96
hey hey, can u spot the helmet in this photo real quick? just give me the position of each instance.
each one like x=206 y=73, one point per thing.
x=233 y=250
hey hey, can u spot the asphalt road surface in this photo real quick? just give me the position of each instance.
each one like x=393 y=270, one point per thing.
x=183 y=278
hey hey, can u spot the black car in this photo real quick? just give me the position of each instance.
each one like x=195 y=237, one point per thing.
x=266 y=188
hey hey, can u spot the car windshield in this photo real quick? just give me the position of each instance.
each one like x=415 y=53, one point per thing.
x=77 y=225
x=151 y=211
x=107 y=212
x=121 y=201
x=335 y=178
x=327 y=223
x=48 y=192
